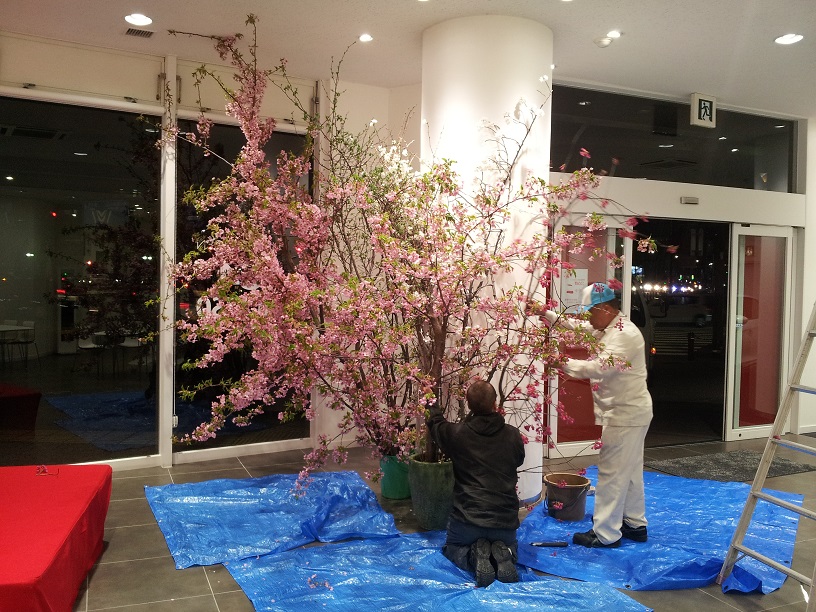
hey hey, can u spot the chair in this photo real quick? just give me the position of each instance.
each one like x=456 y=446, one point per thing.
x=24 y=339
x=6 y=339
x=88 y=346
x=132 y=342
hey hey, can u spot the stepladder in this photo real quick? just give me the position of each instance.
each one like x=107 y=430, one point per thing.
x=737 y=549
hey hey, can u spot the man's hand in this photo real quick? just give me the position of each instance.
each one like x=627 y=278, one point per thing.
x=531 y=307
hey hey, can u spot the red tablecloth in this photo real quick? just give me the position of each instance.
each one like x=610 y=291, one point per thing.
x=51 y=529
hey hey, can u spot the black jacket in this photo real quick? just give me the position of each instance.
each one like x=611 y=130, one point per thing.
x=485 y=453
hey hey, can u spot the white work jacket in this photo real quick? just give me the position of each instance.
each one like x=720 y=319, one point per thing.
x=621 y=397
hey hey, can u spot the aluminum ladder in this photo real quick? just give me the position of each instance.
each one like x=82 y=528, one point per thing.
x=737 y=549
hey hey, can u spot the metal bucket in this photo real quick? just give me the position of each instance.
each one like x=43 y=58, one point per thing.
x=566 y=496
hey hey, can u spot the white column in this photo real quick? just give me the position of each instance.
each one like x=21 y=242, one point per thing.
x=476 y=69
x=167 y=227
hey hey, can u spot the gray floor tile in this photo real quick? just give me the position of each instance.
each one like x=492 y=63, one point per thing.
x=143 y=581
x=230 y=463
x=237 y=473
x=202 y=603
x=221 y=581
x=133 y=488
x=125 y=512
x=290 y=456
x=132 y=543
x=235 y=601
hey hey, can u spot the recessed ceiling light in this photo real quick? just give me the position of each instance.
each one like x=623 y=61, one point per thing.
x=734 y=150
x=138 y=19
x=665 y=146
x=788 y=39
x=80 y=154
x=584 y=103
x=613 y=34
x=723 y=138
x=366 y=38
x=779 y=126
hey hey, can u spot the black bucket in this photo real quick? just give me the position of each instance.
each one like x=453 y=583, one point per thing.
x=566 y=496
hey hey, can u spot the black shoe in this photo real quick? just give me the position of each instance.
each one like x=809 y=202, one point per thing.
x=637 y=534
x=590 y=540
x=505 y=568
x=480 y=560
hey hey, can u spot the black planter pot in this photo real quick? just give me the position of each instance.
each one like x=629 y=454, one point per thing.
x=431 y=492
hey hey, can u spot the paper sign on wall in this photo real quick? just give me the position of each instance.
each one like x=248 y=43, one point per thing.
x=572 y=287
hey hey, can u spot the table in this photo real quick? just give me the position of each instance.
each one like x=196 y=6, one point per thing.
x=52 y=525
x=18 y=408
x=5 y=330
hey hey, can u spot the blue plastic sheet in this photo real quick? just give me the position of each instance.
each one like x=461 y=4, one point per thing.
x=404 y=573
x=691 y=523
x=222 y=520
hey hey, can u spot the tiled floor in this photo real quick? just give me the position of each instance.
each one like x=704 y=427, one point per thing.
x=136 y=571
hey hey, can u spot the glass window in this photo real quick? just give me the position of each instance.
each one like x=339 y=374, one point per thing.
x=641 y=138
x=194 y=169
x=79 y=208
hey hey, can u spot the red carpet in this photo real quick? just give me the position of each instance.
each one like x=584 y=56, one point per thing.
x=52 y=520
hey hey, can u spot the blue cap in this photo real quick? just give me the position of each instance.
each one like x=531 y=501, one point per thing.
x=596 y=293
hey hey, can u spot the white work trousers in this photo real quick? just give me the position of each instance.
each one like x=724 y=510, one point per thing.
x=619 y=492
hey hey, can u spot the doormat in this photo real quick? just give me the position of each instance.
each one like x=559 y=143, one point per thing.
x=733 y=466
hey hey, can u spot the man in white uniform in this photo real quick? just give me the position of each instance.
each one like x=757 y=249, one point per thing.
x=623 y=407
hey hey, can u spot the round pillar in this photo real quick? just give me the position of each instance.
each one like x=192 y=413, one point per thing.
x=478 y=69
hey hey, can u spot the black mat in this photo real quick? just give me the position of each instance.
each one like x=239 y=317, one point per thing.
x=734 y=466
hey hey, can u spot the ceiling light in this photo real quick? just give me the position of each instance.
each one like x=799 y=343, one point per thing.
x=584 y=103
x=665 y=146
x=9 y=178
x=734 y=150
x=788 y=39
x=779 y=126
x=603 y=42
x=366 y=38
x=723 y=138
x=613 y=34
x=80 y=154
x=138 y=19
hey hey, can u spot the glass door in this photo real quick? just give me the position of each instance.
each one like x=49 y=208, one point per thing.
x=758 y=329
x=577 y=433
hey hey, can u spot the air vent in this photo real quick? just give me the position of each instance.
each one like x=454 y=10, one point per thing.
x=139 y=33
x=668 y=164
x=31 y=132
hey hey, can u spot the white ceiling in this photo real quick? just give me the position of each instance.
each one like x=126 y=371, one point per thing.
x=669 y=48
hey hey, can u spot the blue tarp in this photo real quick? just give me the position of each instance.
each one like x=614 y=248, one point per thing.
x=222 y=520
x=404 y=573
x=691 y=523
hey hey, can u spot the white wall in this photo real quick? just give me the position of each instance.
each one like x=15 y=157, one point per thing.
x=806 y=417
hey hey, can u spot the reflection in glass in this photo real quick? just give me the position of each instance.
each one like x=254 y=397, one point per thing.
x=633 y=137
x=194 y=170
x=79 y=204
x=760 y=299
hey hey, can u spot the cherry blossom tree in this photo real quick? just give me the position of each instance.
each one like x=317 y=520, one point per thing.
x=385 y=289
